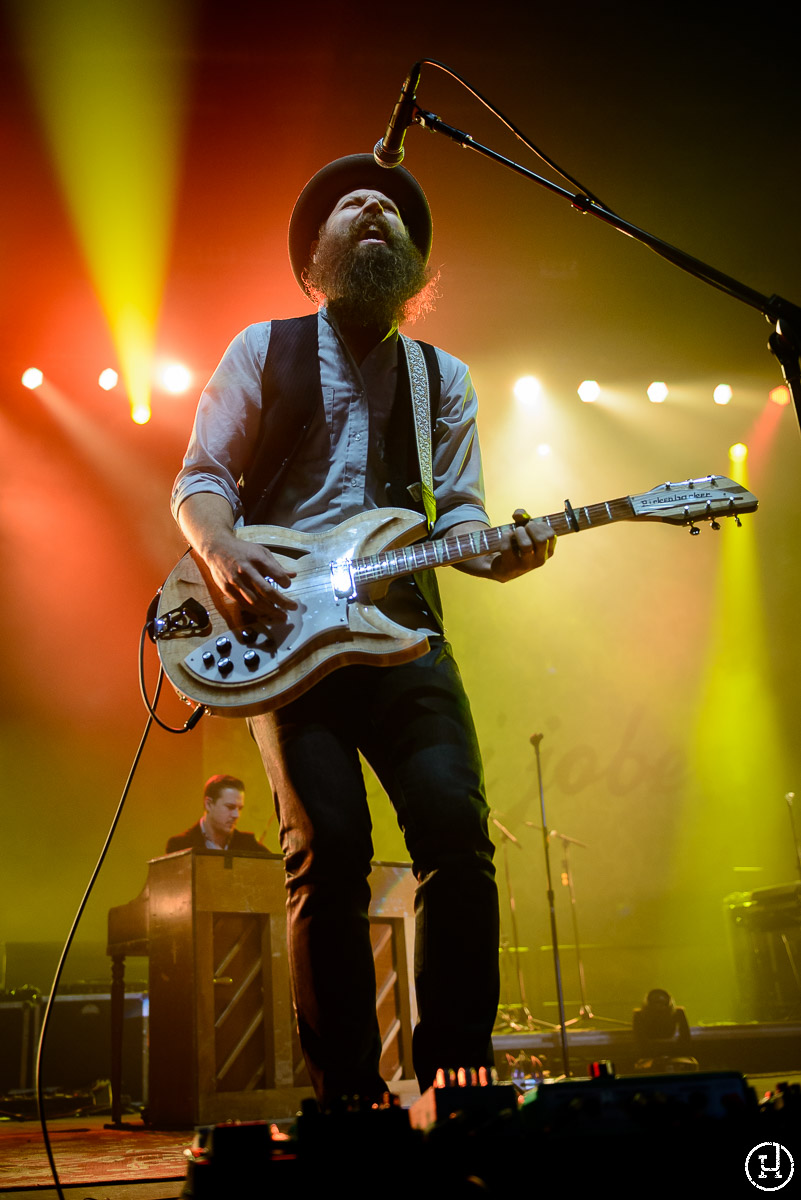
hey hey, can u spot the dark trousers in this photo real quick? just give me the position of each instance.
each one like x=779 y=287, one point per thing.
x=413 y=725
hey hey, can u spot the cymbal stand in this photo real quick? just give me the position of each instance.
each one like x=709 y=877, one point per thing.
x=585 y=1008
x=535 y=740
x=530 y=1020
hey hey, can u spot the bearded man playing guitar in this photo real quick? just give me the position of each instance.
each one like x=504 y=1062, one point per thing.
x=306 y=424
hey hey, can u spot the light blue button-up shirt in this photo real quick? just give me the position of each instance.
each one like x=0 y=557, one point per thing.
x=339 y=469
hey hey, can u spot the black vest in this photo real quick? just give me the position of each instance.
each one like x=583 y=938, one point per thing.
x=291 y=398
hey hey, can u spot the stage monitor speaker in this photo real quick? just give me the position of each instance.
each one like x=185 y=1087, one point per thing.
x=78 y=1044
x=19 y=1033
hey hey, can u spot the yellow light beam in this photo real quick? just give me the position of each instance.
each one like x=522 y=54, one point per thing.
x=739 y=756
x=108 y=79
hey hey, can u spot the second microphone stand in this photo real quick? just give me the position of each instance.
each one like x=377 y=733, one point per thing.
x=529 y=1021
x=585 y=1008
x=535 y=740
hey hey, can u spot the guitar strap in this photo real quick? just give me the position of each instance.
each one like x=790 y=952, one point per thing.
x=418 y=370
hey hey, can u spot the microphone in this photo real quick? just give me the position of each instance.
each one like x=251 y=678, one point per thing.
x=389 y=151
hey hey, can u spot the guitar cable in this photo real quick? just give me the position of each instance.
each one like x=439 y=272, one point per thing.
x=197 y=712
x=40 y=1055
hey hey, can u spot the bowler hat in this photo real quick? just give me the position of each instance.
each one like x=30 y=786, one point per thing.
x=317 y=201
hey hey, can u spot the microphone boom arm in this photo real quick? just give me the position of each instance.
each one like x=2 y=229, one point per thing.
x=784 y=343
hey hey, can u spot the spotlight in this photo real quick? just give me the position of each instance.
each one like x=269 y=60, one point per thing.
x=176 y=378
x=140 y=414
x=780 y=395
x=589 y=391
x=738 y=452
x=527 y=389
x=722 y=394
x=108 y=379
x=658 y=393
x=32 y=378
x=543 y=449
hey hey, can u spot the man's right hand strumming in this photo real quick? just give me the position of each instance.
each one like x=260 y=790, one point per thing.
x=244 y=571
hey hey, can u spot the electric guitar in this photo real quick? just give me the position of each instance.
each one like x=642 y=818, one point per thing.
x=217 y=654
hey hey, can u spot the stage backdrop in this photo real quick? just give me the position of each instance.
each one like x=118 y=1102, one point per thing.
x=660 y=669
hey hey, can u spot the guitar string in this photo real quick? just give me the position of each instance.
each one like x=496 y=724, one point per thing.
x=430 y=554
x=406 y=560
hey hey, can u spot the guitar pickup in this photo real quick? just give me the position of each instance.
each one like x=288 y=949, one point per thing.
x=342 y=579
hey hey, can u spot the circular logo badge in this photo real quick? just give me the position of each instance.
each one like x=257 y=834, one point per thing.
x=769 y=1166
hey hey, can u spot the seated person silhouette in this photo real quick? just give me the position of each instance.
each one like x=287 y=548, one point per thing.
x=662 y=1035
x=223 y=801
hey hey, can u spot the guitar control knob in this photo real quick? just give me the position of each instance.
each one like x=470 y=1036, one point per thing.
x=223 y=644
x=251 y=659
x=249 y=635
x=208 y=659
x=225 y=666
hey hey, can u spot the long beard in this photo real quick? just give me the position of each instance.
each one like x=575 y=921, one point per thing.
x=368 y=285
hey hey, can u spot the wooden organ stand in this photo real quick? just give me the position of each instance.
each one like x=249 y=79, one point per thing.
x=222 y=1040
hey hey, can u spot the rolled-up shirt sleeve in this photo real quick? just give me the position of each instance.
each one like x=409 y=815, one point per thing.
x=226 y=423
x=458 y=477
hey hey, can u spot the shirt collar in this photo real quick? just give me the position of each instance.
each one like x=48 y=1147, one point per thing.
x=210 y=844
x=390 y=337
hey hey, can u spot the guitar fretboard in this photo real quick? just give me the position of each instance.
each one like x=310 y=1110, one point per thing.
x=392 y=564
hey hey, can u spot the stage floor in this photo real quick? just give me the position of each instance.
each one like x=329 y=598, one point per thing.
x=145 y=1163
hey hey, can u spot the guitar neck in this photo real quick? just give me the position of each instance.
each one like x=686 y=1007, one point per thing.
x=393 y=564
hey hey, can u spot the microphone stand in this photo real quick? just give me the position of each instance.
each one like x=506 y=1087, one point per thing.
x=530 y=1020
x=790 y=797
x=585 y=1008
x=535 y=740
x=784 y=343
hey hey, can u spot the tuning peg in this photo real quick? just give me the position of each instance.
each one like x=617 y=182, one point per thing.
x=694 y=530
x=737 y=521
x=714 y=524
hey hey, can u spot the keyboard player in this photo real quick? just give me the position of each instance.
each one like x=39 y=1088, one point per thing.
x=223 y=801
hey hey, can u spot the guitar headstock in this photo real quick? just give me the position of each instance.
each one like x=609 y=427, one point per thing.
x=692 y=500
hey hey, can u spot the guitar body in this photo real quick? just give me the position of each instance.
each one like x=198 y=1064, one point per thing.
x=243 y=666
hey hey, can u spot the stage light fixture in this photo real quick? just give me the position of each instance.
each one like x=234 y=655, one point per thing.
x=108 y=379
x=722 y=394
x=175 y=378
x=589 y=391
x=780 y=395
x=32 y=378
x=738 y=452
x=657 y=392
x=543 y=450
x=527 y=389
